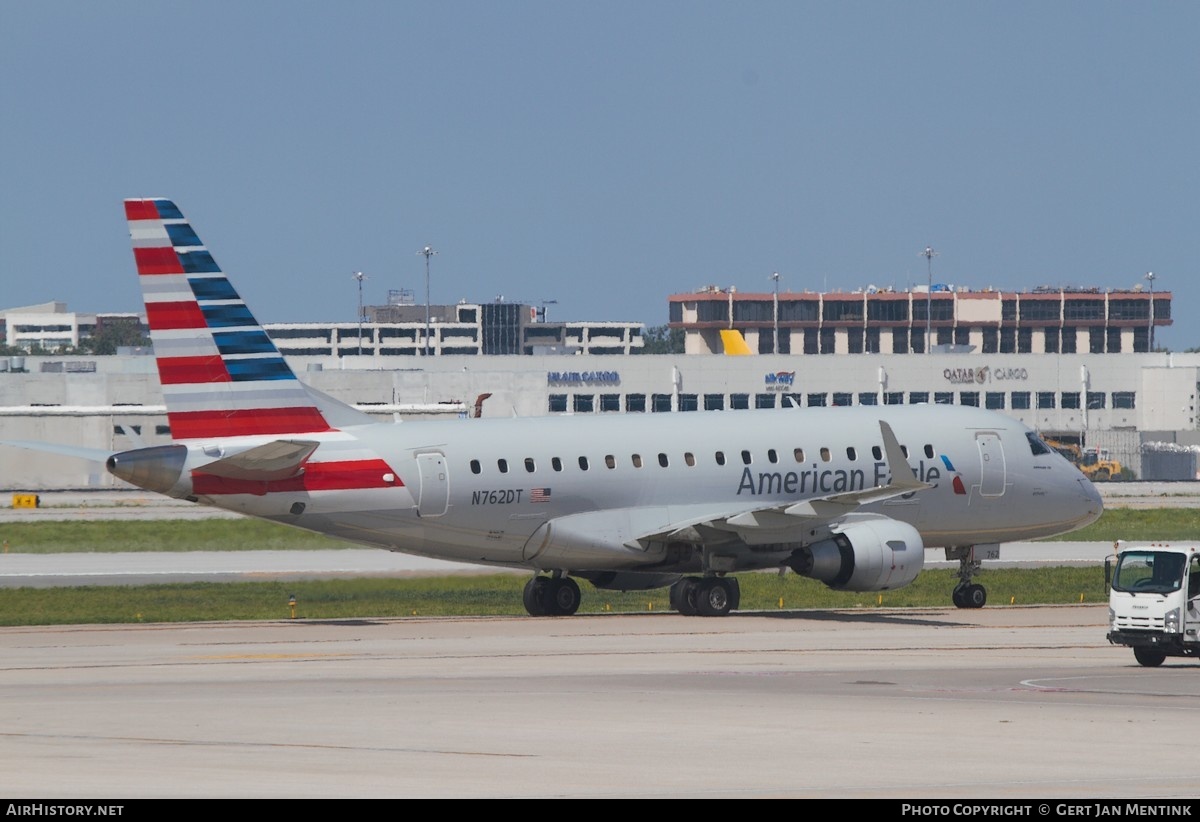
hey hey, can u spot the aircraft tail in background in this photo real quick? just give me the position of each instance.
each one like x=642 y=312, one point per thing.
x=734 y=343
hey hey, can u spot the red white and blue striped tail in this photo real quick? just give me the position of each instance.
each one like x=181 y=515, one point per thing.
x=221 y=374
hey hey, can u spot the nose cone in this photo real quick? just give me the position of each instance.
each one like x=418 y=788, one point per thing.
x=1091 y=505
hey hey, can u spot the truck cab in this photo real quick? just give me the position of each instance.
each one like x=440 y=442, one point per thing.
x=1154 y=600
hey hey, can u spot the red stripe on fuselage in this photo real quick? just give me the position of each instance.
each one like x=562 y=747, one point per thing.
x=186 y=425
x=140 y=210
x=168 y=316
x=317 y=476
x=157 y=260
x=185 y=370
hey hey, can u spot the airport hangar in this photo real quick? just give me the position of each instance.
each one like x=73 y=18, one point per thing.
x=1077 y=365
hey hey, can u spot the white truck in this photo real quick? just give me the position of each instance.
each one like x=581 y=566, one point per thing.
x=1154 y=600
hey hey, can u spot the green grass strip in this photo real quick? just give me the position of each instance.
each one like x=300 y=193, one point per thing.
x=500 y=595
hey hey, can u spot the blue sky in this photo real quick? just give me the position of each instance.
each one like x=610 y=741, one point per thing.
x=602 y=155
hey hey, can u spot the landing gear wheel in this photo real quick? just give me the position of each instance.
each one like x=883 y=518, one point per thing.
x=561 y=596
x=683 y=596
x=713 y=597
x=1149 y=657
x=969 y=596
x=534 y=596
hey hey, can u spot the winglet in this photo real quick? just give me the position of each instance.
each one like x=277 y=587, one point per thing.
x=902 y=473
x=734 y=343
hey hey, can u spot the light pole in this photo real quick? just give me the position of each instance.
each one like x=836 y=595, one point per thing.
x=426 y=252
x=358 y=275
x=929 y=254
x=1150 y=277
x=775 y=313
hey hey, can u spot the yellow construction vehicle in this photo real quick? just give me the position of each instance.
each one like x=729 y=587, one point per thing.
x=1095 y=463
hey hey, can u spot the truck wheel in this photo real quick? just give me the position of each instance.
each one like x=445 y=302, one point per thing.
x=1149 y=657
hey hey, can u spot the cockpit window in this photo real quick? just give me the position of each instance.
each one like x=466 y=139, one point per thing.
x=1036 y=445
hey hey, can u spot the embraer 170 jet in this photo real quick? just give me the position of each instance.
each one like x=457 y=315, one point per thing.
x=849 y=496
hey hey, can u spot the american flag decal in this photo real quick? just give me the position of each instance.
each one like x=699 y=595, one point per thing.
x=539 y=495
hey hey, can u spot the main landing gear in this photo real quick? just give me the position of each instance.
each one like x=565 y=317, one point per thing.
x=551 y=596
x=967 y=594
x=706 y=596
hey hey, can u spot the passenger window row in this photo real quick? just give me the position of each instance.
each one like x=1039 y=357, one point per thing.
x=746 y=457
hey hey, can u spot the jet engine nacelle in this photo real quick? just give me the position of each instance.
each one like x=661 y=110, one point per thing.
x=869 y=555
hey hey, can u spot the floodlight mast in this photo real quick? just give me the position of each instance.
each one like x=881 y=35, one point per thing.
x=426 y=252
x=359 y=276
x=929 y=254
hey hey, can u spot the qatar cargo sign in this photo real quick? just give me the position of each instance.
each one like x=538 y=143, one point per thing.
x=983 y=374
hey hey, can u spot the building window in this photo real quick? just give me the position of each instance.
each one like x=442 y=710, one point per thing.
x=816 y=400
x=714 y=402
x=1095 y=400
x=1070 y=399
x=1069 y=340
x=1096 y=339
x=610 y=402
x=688 y=402
x=827 y=341
x=843 y=398
x=1024 y=340
x=918 y=397
x=969 y=398
x=943 y=398
x=635 y=403
x=991 y=340
x=868 y=398
x=661 y=402
x=872 y=343
x=994 y=400
x=1020 y=400
x=584 y=403
x=1123 y=399
x=1114 y=341
x=899 y=340
x=810 y=341
x=558 y=403
x=1045 y=399
x=764 y=400
x=1050 y=338
x=739 y=401
x=854 y=340
x=1008 y=340
x=893 y=398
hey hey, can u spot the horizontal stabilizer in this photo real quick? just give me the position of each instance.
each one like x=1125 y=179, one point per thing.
x=90 y=454
x=276 y=460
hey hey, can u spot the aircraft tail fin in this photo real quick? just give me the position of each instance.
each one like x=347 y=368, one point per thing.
x=734 y=343
x=221 y=374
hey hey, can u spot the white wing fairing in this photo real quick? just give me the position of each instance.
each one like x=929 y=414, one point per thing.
x=848 y=496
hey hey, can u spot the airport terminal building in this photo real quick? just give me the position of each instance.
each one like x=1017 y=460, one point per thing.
x=1102 y=386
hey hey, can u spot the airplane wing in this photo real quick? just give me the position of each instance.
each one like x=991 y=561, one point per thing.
x=771 y=523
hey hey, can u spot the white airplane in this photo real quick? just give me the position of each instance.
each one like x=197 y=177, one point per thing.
x=849 y=496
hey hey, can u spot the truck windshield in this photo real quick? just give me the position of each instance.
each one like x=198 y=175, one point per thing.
x=1149 y=572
